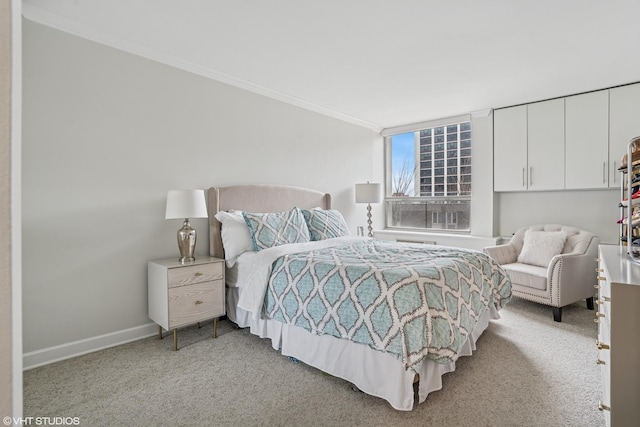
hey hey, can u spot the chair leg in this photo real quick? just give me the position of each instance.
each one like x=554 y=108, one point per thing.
x=557 y=314
x=590 y=303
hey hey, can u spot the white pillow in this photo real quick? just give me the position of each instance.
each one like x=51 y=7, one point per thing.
x=236 y=238
x=541 y=246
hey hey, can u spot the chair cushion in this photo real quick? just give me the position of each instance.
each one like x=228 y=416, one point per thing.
x=540 y=246
x=527 y=275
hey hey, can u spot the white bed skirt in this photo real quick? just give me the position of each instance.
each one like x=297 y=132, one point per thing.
x=374 y=372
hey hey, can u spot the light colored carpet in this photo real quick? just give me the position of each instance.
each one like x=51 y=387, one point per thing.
x=527 y=371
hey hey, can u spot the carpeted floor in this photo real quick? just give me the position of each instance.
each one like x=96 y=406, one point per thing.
x=527 y=371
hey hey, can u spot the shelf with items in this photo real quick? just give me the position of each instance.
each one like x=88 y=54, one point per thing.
x=630 y=200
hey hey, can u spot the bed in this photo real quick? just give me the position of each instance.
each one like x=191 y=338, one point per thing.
x=382 y=345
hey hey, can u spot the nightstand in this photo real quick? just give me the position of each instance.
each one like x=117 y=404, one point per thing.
x=183 y=294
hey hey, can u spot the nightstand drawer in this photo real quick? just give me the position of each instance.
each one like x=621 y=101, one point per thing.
x=193 y=303
x=188 y=275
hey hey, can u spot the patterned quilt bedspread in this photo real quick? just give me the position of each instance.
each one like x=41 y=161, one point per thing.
x=411 y=300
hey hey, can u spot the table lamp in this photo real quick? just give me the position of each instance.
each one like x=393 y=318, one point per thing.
x=368 y=193
x=185 y=204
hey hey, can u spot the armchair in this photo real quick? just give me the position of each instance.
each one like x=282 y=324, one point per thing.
x=570 y=276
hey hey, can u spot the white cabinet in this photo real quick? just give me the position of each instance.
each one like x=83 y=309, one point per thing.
x=617 y=343
x=586 y=140
x=568 y=143
x=529 y=147
x=510 y=149
x=545 y=130
x=624 y=124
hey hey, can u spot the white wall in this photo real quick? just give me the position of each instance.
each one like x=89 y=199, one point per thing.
x=106 y=134
x=593 y=210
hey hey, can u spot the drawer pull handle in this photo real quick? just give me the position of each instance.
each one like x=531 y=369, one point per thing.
x=600 y=362
x=603 y=407
x=198 y=302
x=600 y=278
x=198 y=274
x=602 y=346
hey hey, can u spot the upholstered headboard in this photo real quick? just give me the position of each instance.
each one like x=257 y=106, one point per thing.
x=257 y=198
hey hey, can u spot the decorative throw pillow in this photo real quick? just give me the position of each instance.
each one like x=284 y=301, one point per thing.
x=325 y=224
x=274 y=229
x=235 y=234
x=540 y=246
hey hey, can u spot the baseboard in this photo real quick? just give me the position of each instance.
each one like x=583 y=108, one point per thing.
x=57 y=353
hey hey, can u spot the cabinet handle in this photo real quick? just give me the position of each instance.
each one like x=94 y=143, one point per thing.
x=197 y=274
x=523 y=176
x=198 y=302
x=602 y=346
x=600 y=362
x=530 y=176
x=600 y=314
x=603 y=407
x=604 y=172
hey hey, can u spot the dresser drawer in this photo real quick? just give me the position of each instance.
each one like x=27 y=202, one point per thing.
x=193 y=303
x=188 y=275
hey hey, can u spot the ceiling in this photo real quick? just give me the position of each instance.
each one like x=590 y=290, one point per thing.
x=376 y=63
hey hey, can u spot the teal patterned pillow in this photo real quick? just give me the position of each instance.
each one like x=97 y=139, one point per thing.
x=325 y=224
x=274 y=229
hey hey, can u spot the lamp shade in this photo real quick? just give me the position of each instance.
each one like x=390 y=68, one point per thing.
x=183 y=204
x=368 y=193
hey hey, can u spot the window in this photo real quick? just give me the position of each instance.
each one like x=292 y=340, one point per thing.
x=429 y=177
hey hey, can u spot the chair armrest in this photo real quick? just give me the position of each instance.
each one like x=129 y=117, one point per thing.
x=503 y=254
x=572 y=277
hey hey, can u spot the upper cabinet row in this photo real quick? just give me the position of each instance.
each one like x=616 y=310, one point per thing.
x=566 y=143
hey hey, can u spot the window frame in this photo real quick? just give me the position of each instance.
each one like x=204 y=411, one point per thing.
x=389 y=200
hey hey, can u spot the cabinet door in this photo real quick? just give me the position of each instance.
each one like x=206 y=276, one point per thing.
x=545 y=146
x=510 y=149
x=587 y=140
x=624 y=124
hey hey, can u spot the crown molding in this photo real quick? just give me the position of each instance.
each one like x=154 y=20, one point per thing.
x=41 y=16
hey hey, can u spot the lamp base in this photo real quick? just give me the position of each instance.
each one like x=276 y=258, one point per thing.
x=187 y=242
x=369 y=222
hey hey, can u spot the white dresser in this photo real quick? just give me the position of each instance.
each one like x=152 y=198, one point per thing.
x=618 y=318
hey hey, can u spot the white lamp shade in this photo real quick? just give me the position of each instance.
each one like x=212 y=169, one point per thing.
x=368 y=193
x=183 y=204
